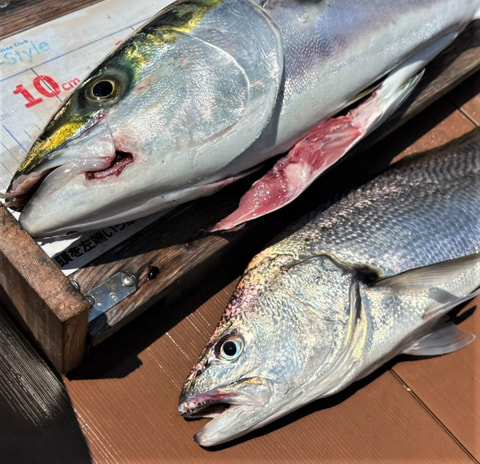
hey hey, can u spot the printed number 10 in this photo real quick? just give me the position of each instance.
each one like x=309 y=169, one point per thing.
x=46 y=86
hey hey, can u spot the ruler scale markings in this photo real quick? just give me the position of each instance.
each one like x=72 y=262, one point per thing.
x=15 y=139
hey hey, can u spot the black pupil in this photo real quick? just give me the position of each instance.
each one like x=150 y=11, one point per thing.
x=102 y=89
x=230 y=348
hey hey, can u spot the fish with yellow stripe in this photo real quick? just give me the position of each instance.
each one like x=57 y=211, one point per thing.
x=208 y=90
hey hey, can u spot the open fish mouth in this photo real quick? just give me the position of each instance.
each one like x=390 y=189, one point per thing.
x=249 y=392
x=233 y=409
x=24 y=186
x=230 y=415
x=207 y=405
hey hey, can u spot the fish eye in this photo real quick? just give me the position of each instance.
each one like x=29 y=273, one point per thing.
x=230 y=347
x=103 y=89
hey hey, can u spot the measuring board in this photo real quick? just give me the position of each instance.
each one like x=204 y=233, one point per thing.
x=39 y=69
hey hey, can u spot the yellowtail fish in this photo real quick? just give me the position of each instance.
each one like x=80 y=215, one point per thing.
x=209 y=89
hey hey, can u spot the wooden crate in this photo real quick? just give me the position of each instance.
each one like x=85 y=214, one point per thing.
x=173 y=254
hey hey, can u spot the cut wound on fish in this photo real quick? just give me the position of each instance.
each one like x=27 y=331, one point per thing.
x=328 y=142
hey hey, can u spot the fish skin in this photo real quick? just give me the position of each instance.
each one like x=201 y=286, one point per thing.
x=249 y=100
x=344 y=290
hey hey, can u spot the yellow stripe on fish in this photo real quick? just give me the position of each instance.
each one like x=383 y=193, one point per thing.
x=53 y=141
x=181 y=19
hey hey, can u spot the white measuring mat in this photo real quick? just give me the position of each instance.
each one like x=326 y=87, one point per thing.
x=39 y=68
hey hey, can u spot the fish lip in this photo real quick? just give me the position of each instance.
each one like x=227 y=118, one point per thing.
x=231 y=395
x=195 y=406
x=119 y=162
x=24 y=186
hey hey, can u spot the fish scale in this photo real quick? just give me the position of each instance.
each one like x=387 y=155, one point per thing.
x=421 y=192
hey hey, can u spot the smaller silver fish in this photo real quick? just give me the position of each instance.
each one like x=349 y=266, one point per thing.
x=347 y=289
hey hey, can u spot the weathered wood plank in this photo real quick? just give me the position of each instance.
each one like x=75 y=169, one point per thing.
x=49 y=305
x=19 y=15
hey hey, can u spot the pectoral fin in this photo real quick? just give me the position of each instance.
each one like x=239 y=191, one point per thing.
x=444 y=338
x=433 y=279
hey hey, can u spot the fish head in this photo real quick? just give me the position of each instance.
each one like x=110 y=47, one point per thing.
x=116 y=150
x=59 y=178
x=273 y=350
x=152 y=126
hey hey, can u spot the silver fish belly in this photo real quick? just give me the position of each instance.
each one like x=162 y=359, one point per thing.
x=208 y=90
x=342 y=291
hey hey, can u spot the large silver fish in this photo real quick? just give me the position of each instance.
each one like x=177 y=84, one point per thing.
x=347 y=289
x=209 y=89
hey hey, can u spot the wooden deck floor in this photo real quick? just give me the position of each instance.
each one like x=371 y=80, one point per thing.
x=120 y=406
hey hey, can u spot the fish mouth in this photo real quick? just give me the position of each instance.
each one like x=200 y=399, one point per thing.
x=207 y=405
x=120 y=161
x=234 y=410
x=24 y=186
